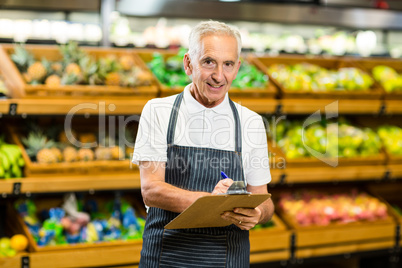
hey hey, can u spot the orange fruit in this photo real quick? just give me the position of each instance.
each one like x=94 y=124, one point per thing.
x=19 y=242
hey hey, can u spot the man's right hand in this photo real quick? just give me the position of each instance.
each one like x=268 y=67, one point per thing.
x=222 y=186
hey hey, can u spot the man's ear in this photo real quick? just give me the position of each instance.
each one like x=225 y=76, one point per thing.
x=187 y=64
x=238 y=67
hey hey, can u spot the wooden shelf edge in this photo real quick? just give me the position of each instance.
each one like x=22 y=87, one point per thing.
x=329 y=174
x=342 y=106
x=270 y=256
x=94 y=106
x=90 y=257
x=4 y=106
x=344 y=248
x=393 y=106
x=93 y=182
x=134 y=105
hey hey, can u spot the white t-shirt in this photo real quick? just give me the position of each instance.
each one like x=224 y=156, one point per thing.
x=198 y=126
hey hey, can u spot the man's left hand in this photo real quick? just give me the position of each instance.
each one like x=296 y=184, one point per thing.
x=244 y=218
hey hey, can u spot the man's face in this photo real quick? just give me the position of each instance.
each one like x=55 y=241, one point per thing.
x=213 y=69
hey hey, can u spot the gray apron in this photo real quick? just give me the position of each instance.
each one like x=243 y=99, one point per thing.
x=196 y=169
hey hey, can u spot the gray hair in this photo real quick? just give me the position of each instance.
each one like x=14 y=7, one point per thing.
x=206 y=28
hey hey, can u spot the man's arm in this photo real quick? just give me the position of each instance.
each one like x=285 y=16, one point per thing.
x=266 y=208
x=157 y=193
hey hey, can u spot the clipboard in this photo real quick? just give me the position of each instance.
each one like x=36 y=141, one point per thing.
x=206 y=211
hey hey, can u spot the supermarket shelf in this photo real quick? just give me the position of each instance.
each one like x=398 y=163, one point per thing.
x=95 y=182
x=12 y=262
x=262 y=257
x=343 y=106
x=128 y=255
x=4 y=106
x=99 y=106
x=114 y=181
x=106 y=106
x=343 y=249
x=329 y=174
x=87 y=257
x=393 y=106
x=77 y=106
x=395 y=171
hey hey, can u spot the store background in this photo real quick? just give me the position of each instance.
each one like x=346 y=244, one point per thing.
x=326 y=28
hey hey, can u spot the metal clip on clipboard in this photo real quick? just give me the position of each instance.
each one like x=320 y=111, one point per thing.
x=238 y=187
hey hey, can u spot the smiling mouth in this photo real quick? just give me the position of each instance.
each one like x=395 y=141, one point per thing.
x=215 y=87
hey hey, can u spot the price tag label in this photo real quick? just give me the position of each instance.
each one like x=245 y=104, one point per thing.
x=12 y=110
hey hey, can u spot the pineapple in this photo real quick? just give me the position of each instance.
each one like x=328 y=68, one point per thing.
x=117 y=153
x=56 y=151
x=22 y=58
x=71 y=52
x=103 y=153
x=63 y=138
x=85 y=154
x=56 y=67
x=27 y=78
x=46 y=156
x=70 y=154
x=53 y=80
x=113 y=79
x=73 y=68
x=143 y=77
x=126 y=62
x=87 y=138
x=37 y=71
x=36 y=141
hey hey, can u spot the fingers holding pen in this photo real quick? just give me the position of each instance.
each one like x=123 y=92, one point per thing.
x=222 y=186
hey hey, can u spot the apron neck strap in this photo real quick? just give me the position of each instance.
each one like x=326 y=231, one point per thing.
x=175 y=112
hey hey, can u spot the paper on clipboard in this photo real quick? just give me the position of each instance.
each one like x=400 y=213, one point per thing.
x=206 y=211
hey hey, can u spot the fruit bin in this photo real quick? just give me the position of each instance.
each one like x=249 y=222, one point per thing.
x=306 y=137
x=272 y=238
x=390 y=133
x=390 y=194
x=330 y=63
x=43 y=204
x=270 y=91
x=20 y=89
x=334 y=233
x=368 y=65
x=91 y=165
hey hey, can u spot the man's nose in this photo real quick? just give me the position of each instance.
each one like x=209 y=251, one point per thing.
x=217 y=75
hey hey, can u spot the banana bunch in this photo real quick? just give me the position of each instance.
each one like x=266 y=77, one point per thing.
x=11 y=161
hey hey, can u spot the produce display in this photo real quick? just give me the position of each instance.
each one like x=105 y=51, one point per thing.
x=388 y=78
x=250 y=77
x=261 y=226
x=310 y=77
x=334 y=140
x=11 y=161
x=169 y=71
x=55 y=144
x=78 y=67
x=308 y=207
x=391 y=137
x=10 y=246
x=79 y=221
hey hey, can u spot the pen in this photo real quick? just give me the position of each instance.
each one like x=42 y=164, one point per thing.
x=224 y=175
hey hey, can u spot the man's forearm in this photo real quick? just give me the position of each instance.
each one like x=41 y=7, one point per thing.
x=168 y=197
x=267 y=211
